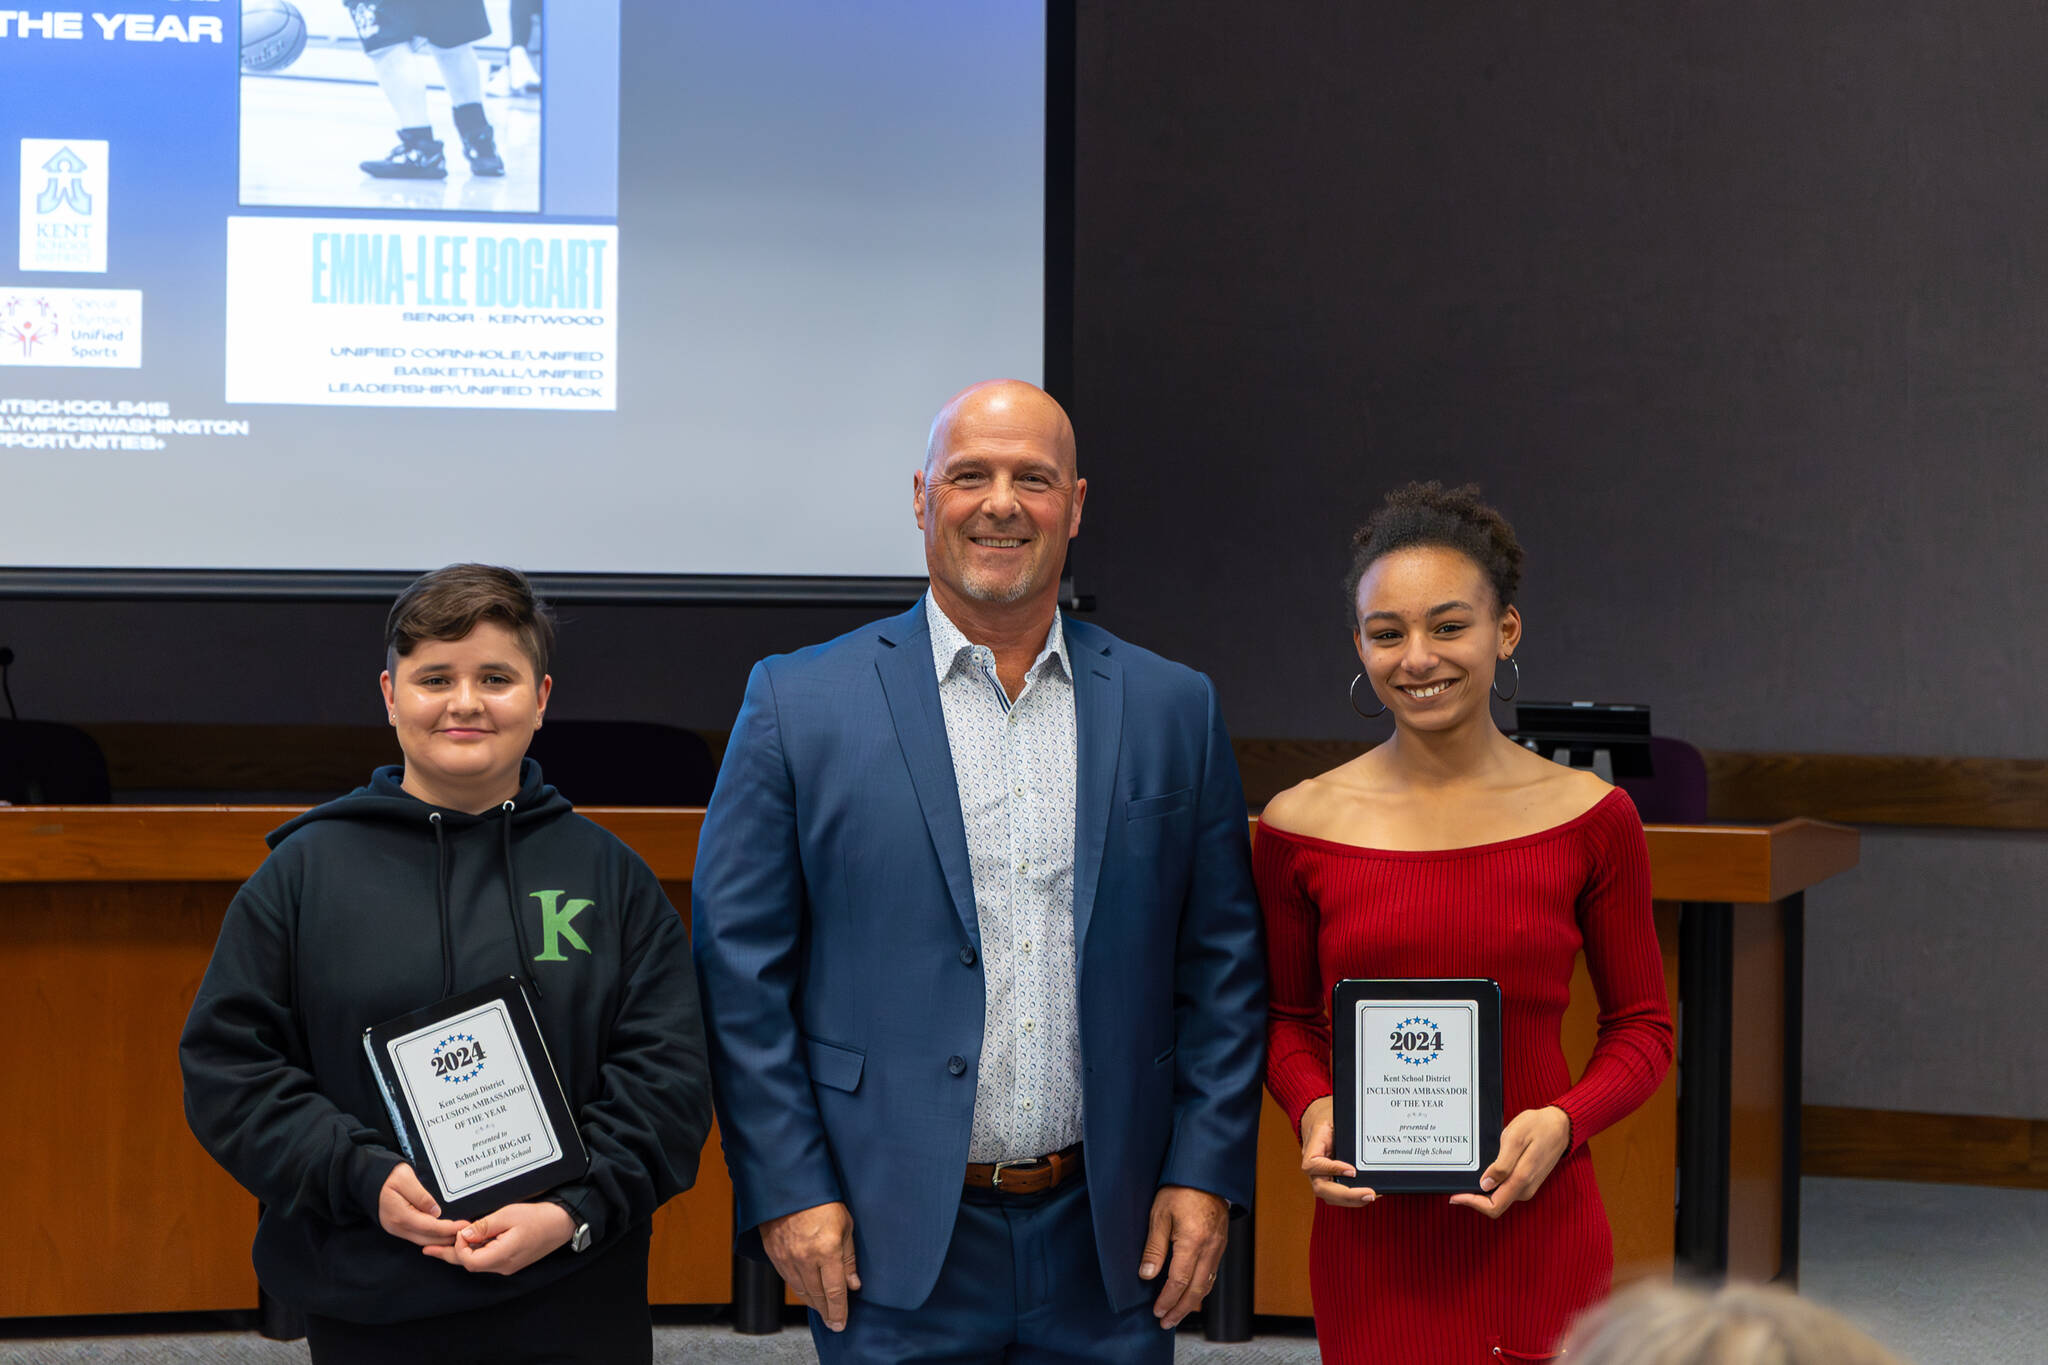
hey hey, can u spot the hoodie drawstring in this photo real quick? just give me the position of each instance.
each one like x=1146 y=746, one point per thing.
x=441 y=904
x=512 y=906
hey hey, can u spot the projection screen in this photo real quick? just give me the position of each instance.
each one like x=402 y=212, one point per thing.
x=646 y=298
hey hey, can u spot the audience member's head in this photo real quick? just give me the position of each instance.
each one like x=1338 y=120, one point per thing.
x=1739 y=1325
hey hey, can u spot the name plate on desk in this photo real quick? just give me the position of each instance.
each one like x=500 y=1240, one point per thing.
x=475 y=1101
x=1418 y=1082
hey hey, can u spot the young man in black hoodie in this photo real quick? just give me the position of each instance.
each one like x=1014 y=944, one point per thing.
x=457 y=870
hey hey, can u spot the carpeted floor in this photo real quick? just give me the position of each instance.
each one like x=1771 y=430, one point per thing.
x=1942 y=1274
x=672 y=1346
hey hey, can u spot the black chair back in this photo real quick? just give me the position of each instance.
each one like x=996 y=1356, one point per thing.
x=625 y=763
x=43 y=763
x=1676 y=791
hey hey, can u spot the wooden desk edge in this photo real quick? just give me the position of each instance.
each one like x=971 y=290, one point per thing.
x=1748 y=864
x=1737 y=863
x=225 y=843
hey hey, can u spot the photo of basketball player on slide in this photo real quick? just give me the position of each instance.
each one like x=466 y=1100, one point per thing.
x=450 y=30
x=520 y=74
x=324 y=81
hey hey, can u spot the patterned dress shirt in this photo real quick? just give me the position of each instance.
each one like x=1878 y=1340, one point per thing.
x=1014 y=762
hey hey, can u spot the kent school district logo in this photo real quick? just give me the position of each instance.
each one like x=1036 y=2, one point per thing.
x=64 y=204
x=67 y=185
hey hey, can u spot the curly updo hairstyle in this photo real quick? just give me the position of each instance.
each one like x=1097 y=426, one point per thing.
x=1428 y=514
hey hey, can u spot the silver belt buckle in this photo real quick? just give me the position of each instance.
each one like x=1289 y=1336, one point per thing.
x=995 y=1178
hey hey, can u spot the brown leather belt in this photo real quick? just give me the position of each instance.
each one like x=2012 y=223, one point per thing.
x=1035 y=1176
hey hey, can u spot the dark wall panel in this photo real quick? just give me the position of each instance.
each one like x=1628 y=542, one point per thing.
x=1736 y=310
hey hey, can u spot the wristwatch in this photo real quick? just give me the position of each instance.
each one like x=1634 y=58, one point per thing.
x=579 y=1240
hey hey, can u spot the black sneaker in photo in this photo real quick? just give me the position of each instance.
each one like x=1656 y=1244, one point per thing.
x=416 y=157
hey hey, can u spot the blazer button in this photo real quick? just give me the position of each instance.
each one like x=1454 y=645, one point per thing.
x=957 y=1065
x=967 y=957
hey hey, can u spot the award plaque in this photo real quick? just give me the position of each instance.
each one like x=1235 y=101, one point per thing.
x=1418 y=1086
x=474 y=1100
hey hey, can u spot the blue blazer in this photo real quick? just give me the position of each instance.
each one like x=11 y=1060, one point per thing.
x=839 y=952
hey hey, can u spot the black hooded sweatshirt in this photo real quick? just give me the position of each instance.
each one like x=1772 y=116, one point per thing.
x=377 y=904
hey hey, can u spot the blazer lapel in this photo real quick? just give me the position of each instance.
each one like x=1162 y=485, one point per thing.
x=1098 y=725
x=911 y=686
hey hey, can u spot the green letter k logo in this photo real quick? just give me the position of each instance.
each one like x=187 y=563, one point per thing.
x=554 y=922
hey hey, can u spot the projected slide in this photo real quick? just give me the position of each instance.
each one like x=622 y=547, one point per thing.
x=412 y=301
x=584 y=276
x=401 y=310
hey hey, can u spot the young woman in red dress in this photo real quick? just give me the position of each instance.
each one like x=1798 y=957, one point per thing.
x=1451 y=851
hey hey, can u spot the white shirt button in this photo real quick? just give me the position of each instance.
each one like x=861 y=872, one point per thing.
x=1024 y=1104
x=1025 y=946
x=1029 y=1025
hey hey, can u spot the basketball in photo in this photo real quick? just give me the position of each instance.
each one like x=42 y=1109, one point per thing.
x=273 y=34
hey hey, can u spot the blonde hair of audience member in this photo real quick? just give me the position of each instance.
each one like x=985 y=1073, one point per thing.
x=1739 y=1325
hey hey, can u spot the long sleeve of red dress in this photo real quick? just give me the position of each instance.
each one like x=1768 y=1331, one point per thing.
x=1411 y=1278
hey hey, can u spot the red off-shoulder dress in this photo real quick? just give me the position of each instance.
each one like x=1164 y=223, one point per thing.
x=1412 y=1279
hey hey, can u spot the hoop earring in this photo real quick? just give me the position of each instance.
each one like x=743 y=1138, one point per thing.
x=1353 y=694
x=1508 y=696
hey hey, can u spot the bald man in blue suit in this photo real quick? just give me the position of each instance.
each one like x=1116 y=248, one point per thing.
x=979 y=948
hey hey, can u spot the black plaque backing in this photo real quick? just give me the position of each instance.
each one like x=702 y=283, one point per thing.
x=1482 y=997
x=463 y=1103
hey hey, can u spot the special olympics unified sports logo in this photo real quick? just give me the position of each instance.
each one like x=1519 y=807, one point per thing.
x=30 y=322
x=459 y=1057
x=1418 y=1041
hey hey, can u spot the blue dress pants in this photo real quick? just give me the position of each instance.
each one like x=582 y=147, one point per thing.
x=1021 y=1283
